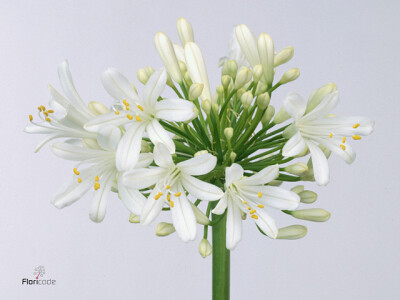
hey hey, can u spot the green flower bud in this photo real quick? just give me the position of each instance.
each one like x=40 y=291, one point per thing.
x=200 y=152
x=297 y=169
x=206 y=106
x=290 y=75
x=308 y=197
x=319 y=94
x=98 y=108
x=263 y=101
x=283 y=56
x=149 y=71
x=226 y=80
x=257 y=73
x=164 y=229
x=312 y=214
x=195 y=91
x=230 y=68
x=275 y=183
x=281 y=116
x=267 y=116
x=205 y=248
x=297 y=189
x=187 y=79
x=246 y=99
x=182 y=67
x=228 y=132
x=262 y=87
x=243 y=77
x=142 y=76
x=145 y=147
x=220 y=90
x=134 y=219
x=232 y=156
x=292 y=232
x=169 y=81
x=201 y=218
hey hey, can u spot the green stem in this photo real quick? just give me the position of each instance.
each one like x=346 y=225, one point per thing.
x=220 y=261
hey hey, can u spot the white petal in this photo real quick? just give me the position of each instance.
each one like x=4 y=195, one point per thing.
x=333 y=144
x=326 y=106
x=118 y=86
x=179 y=52
x=266 y=224
x=294 y=146
x=154 y=87
x=198 y=165
x=158 y=134
x=262 y=177
x=248 y=44
x=71 y=192
x=75 y=153
x=176 y=110
x=48 y=138
x=320 y=164
x=294 y=105
x=145 y=159
x=109 y=137
x=162 y=157
x=131 y=198
x=233 y=225
x=221 y=206
x=200 y=189
x=142 y=178
x=108 y=119
x=233 y=174
x=183 y=218
x=152 y=208
x=129 y=147
x=100 y=199
x=266 y=52
x=344 y=125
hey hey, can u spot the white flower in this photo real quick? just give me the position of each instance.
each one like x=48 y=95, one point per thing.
x=235 y=53
x=99 y=172
x=66 y=115
x=249 y=195
x=316 y=127
x=171 y=183
x=143 y=115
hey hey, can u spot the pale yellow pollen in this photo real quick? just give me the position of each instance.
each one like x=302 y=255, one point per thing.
x=79 y=180
x=253 y=211
x=343 y=147
x=171 y=203
x=356 y=137
x=160 y=193
x=50 y=111
x=42 y=107
x=138 y=119
x=76 y=171
x=46 y=113
x=47 y=119
x=356 y=125
x=30 y=118
x=117 y=112
x=254 y=217
x=157 y=196
x=169 y=197
x=96 y=178
x=245 y=202
x=177 y=194
x=331 y=135
x=168 y=187
x=129 y=116
x=259 y=194
x=96 y=186
x=140 y=107
x=248 y=207
x=39 y=108
x=260 y=206
x=344 y=140
x=125 y=102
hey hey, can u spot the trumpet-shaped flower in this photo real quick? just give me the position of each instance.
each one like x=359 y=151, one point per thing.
x=98 y=172
x=317 y=127
x=142 y=115
x=171 y=184
x=250 y=195
x=66 y=116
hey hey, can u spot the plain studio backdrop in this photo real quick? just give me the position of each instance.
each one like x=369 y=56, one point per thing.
x=355 y=255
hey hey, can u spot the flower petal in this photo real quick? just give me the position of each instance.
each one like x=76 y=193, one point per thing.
x=142 y=178
x=233 y=173
x=221 y=206
x=118 y=86
x=333 y=144
x=145 y=159
x=344 y=125
x=129 y=147
x=109 y=137
x=262 y=177
x=294 y=105
x=294 y=146
x=326 y=106
x=131 y=198
x=320 y=164
x=75 y=153
x=100 y=199
x=152 y=208
x=183 y=217
x=71 y=192
x=200 y=189
x=233 y=225
x=158 y=134
x=266 y=224
x=162 y=156
x=176 y=110
x=108 y=119
x=248 y=44
x=198 y=165
x=154 y=87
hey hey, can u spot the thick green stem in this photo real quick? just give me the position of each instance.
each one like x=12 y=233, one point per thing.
x=220 y=261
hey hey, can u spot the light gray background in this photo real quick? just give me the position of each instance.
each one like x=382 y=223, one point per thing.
x=353 y=256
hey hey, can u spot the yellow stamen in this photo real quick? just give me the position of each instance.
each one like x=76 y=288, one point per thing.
x=129 y=116
x=253 y=211
x=125 y=102
x=42 y=107
x=138 y=119
x=245 y=202
x=260 y=206
x=96 y=178
x=168 y=187
x=344 y=140
x=30 y=118
x=254 y=217
x=76 y=171
x=79 y=180
x=50 y=111
x=356 y=137
x=169 y=197
x=248 y=207
x=157 y=196
x=331 y=135
x=96 y=186
x=48 y=119
x=117 y=112
x=140 y=107
x=46 y=113
x=171 y=203
x=259 y=194
x=343 y=147
x=39 y=108
x=356 y=125
x=177 y=194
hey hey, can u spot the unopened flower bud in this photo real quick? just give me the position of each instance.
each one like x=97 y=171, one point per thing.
x=182 y=66
x=281 y=116
x=142 y=76
x=290 y=75
x=205 y=248
x=243 y=77
x=214 y=99
x=200 y=152
x=206 y=106
x=134 y=219
x=149 y=71
x=90 y=143
x=319 y=94
x=195 y=91
x=220 y=90
x=297 y=169
x=201 y=218
x=297 y=189
x=308 y=197
x=228 y=132
x=292 y=232
x=266 y=52
x=169 y=81
x=98 y=108
x=262 y=87
x=225 y=80
x=275 y=183
x=312 y=214
x=230 y=68
x=185 y=31
x=164 y=229
x=263 y=101
x=267 y=116
x=187 y=78
x=145 y=147
x=283 y=56
x=215 y=107
x=246 y=99
x=257 y=73
x=240 y=92
x=232 y=156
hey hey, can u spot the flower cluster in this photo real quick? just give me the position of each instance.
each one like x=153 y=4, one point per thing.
x=225 y=148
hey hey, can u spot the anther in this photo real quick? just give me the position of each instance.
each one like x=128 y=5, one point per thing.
x=50 y=111
x=343 y=147
x=259 y=194
x=245 y=202
x=356 y=125
x=160 y=193
x=129 y=116
x=169 y=197
x=253 y=211
x=79 y=180
x=76 y=171
x=260 y=206
x=177 y=194
x=125 y=102
x=96 y=186
x=171 y=203
x=344 y=140
x=47 y=119
x=138 y=119
x=117 y=112
x=356 y=137
x=39 y=108
x=254 y=217
x=30 y=118
x=331 y=135
x=96 y=178
x=140 y=107
x=248 y=207
x=157 y=196
x=46 y=113
x=168 y=187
